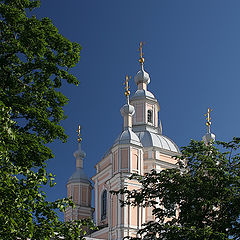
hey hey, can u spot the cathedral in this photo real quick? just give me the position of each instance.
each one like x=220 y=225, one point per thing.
x=139 y=148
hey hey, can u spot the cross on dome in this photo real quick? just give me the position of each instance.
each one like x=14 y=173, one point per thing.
x=127 y=92
x=79 y=154
x=79 y=133
x=142 y=78
x=140 y=49
x=209 y=137
x=208 y=118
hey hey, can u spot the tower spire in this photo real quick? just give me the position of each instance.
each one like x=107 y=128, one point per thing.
x=127 y=110
x=142 y=78
x=79 y=154
x=208 y=137
x=79 y=139
x=79 y=187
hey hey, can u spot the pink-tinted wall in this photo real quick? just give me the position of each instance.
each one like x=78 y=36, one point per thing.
x=124 y=158
x=135 y=159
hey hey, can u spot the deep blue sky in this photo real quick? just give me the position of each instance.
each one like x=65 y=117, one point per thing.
x=192 y=54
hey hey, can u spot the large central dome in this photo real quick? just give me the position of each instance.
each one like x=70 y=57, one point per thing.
x=151 y=139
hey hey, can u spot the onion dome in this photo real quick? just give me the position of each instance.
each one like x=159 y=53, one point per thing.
x=127 y=109
x=79 y=154
x=208 y=138
x=142 y=76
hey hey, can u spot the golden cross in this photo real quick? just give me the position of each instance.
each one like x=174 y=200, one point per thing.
x=208 y=118
x=127 y=92
x=79 y=134
x=140 y=48
x=141 y=60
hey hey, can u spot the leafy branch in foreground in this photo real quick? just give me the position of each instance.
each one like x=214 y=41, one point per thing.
x=196 y=201
x=34 y=60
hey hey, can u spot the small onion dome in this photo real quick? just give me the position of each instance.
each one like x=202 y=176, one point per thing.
x=142 y=77
x=79 y=154
x=78 y=176
x=128 y=137
x=151 y=139
x=127 y=109
x=208 y=138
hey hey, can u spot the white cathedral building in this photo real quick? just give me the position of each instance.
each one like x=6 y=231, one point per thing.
x=140 y=147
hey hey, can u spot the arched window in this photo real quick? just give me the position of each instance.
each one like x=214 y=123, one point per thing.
x=104 y=205
x=149 y=116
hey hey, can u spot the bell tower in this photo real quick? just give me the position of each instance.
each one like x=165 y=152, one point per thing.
x=146 y=105
x=79 y=188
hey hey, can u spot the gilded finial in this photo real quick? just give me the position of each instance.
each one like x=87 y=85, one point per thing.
x=79 y=134
x=140 y=49
x=208 y=118
x=127 y=92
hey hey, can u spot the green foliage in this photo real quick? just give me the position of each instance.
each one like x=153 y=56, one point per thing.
x=199 y=199
x=34 y=60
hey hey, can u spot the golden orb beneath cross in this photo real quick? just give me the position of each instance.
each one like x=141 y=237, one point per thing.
x=141 y=60
x=127 y=93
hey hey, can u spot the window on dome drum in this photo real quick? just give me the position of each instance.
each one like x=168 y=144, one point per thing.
x=104 y=205
x=149 y=116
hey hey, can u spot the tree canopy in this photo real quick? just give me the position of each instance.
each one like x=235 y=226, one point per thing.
x=199 y=199
x=34 y=61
